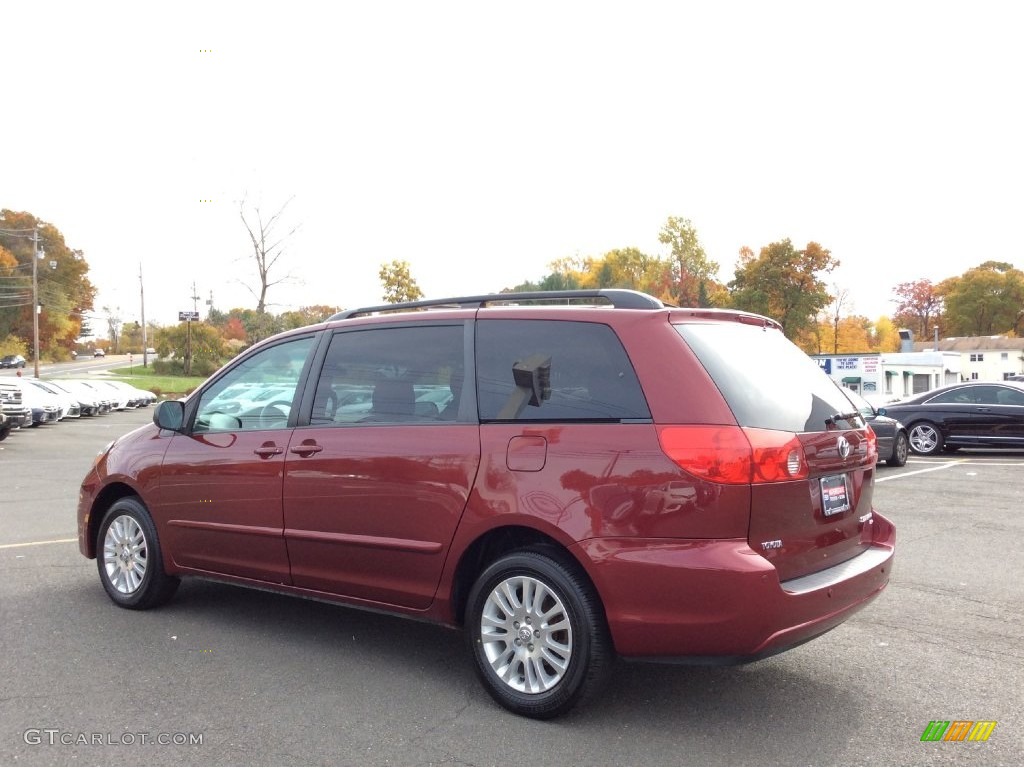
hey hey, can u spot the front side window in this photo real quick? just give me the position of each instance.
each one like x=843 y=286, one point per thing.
x=543 y=370
x=259 y=393
x=395 y=375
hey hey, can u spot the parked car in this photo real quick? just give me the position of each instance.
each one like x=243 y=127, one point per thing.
x=967 y=415
x=137 y=398
x=616 y=478
x=6 y=427
x=45 y=407
x=893 y=439
x=12 y=361
x=18 y=414
x=69 y=405
x=99 y=353
x=89 y=401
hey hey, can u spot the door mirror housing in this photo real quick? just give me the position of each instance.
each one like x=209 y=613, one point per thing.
x=170 y=414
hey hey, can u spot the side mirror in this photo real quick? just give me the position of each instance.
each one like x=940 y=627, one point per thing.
x=881 y=411
x=170 y=414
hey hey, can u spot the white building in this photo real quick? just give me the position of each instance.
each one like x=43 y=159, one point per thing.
x=983 y=358
x=883 y=377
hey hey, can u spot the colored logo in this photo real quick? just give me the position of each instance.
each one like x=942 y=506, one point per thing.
x=958 y=730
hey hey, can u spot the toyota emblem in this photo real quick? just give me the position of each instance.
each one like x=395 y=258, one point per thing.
x=843 y=446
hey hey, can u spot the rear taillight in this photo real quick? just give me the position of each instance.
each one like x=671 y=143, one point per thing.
x=733 y=455
x=872 y=445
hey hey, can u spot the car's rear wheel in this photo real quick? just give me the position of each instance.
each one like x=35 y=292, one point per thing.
x=925 y=438
x=537 y=633
x=900 y=449
x=129 y=559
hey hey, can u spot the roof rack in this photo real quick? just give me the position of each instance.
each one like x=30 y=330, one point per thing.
x=619 y=298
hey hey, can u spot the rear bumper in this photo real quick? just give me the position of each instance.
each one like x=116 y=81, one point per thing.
x=719 y=601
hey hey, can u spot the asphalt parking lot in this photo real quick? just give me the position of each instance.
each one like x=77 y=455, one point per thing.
x=225 y=675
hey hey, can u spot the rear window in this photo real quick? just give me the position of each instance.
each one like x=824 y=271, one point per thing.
x=765 y=378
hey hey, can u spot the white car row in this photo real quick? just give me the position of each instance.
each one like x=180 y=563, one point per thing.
x=31 y=402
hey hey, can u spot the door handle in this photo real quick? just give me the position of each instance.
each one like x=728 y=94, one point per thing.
x=266 y=451
x=306 y=449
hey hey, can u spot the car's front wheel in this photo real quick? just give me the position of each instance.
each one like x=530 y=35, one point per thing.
x=129 y=559
x=925 y=438
x=900 y=449
x=538 y=634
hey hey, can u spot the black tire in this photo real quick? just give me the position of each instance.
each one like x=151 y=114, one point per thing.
x=900 y=449
x=579 y=640
x=130 y=561
x=925 y=438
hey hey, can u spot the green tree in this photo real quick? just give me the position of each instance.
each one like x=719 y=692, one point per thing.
x=985 y=300
x=692 y=273
x=784 y=284
x=398 y=283
x=258 y=325
x=208 y=350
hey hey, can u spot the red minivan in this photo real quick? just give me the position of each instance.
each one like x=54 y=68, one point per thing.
x=569 y=477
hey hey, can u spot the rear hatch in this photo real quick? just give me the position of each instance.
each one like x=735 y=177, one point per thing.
x=812 y=454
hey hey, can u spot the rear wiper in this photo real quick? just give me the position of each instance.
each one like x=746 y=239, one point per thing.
x=842 y=417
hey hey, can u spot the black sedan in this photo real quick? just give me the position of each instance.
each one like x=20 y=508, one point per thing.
x=972 y=414
x=893 y=438
x=12 y=361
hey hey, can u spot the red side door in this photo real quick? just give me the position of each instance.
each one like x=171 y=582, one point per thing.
x=378 y=477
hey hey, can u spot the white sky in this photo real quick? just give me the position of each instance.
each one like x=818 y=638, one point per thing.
x=481 y=141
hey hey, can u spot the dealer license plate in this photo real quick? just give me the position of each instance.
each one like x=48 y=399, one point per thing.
x=835 y=494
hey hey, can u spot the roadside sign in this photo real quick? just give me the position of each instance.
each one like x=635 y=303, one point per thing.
x=188 y=316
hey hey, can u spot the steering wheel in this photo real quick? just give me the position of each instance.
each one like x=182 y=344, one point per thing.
x=272 y=412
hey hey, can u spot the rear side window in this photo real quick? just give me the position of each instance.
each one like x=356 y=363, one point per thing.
x=393 y=375
x=582 y=370
x=765 y=378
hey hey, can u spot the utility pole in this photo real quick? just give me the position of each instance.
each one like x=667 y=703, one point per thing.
x=142 y=300
x=35 y=299
x=188 y=338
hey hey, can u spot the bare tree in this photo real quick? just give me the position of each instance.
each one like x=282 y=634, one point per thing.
x=839 y=302
x=267 y=248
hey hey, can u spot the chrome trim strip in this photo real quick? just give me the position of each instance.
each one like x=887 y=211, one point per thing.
x=862 y=563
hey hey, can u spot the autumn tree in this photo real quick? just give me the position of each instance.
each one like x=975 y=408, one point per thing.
x=624 y=268
x=304 y=316
x=691 y=273
x=919 y=306
x=268 y=246
x=784 y=283
x=64 y=289
x=985 y=300
x=398 y=283
x=886 y=336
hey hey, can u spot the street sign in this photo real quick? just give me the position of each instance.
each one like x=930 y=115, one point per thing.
x=188 y=316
